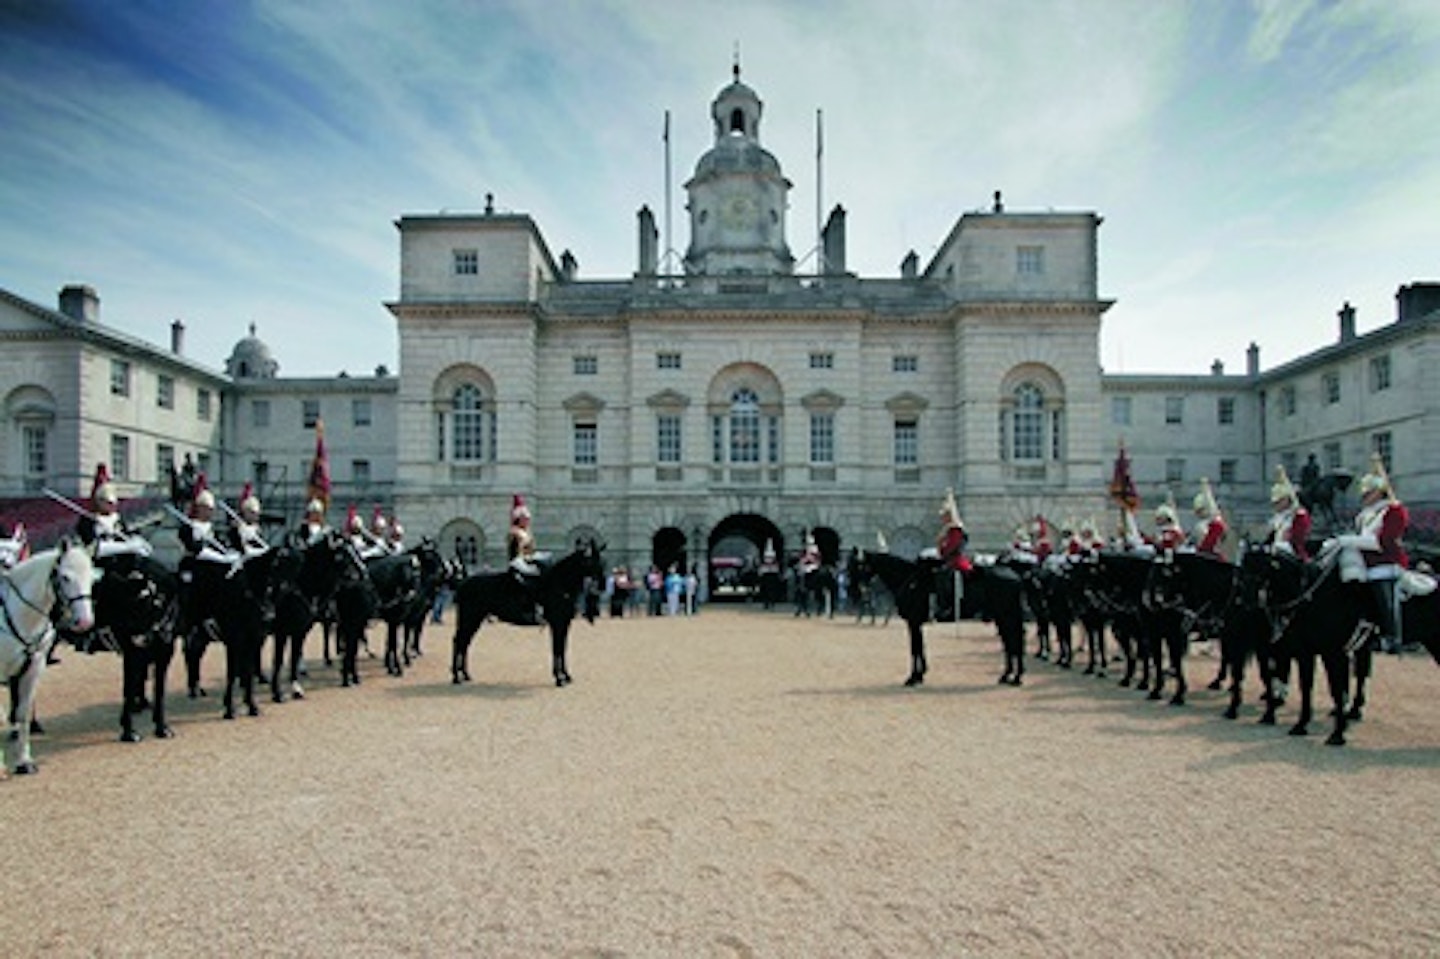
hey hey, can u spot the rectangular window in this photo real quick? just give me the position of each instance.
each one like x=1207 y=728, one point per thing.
x=822 y=438
x=1174 y=471
x=119 y=456
x=1379 y=373
x=1330 y=387
x=667 y=361
x=1030 y=260
x=585 y=365
x=1228 y=470
x=202 y=404
x=1384 y=444
x=360 y=411
x=260 y=473
x=1225 y=410
x=1287 y=401
x=164 y=460
x=907 y=443
x=822 y=361
x=667 y=438
x=37 y=448
x=165 y=392
x=772 y=439
x=1332 y=456
x=119 y=378
x=717 y=439
x=360 y=472
x=1174 y=409
x=260 y=414
x=585 y=444
x=905 y=363
x=1057 y=434
x=1120 y=410
x=309 y=413
x=467 y=262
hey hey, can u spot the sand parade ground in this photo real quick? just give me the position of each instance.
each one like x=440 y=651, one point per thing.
x=739 y=783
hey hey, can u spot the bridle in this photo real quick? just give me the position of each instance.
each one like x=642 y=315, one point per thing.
x=60 y=611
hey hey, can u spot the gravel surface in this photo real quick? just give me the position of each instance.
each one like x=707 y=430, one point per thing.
x=734 y=784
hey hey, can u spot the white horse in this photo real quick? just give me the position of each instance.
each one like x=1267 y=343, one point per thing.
x=50 y=589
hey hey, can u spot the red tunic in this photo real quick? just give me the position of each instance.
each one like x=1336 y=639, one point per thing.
x=952 y=548
x=1387 y=522
x=1214 y=532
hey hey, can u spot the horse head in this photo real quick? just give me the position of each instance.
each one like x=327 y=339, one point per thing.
x=72 y=579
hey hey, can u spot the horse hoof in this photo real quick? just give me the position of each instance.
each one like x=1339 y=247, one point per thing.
x=1354 y=715
x=36 y=729
x=26 y=769
x=1065 y=664
x=297 y=692
x=1230 y=713
x=1335 y=739
x=1214 y=684
x=1125 y=683
x=1015 y=680
x=1154 y=694
x=130 y=736
x=1266 y=720
x=277 y=697
x=913 y=680
x=229 y=714
x=1004 y=680
x=164 y=732
x=1177 y=700
x=455 y=680
x=253 y=710
x=1299 y=729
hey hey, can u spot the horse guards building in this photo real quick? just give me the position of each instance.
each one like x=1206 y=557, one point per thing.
x=695 y=415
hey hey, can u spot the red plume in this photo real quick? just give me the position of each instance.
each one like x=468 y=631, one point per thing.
x=248 y=491
x=102 y=476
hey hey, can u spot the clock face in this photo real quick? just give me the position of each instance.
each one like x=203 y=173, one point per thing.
x=738 y=212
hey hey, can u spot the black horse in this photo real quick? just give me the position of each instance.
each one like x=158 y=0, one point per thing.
x=1117 y=586
x=382 y=587
x=994 y=589
x=435 y=572
x=221 y=604
x=135 y=613
x=303 y=581
x=817 y=588
x=484 y=595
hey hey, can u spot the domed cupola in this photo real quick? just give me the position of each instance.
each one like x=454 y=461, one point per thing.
x=251 y=359
x=738 y=196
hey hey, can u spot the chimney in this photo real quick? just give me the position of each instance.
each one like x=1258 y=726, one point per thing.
x=568 y=266
x=177 y=338
x=1347 y=322
x=1416 y=300
x=489 y=204
x=832 y=241
x=1217 y=368
x=649 y=241
x=910 y=266
x=1252 y=360
x=80 y=303
x=999 y=206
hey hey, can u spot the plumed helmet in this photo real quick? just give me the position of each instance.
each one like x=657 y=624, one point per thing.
x=377 y=520
x=352 y=519
x=102 y=491
x=948 y=507
x=396 y=530
x=1283 y=489
x=1375 y=481
x=1087 y=526
x=314 y=506
x=809 y=540
x=518 y=509
x=249 y=502
x=1205 y=504
x=1165 y=513
x=203 y=496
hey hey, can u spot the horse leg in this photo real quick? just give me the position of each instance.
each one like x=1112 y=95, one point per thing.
x=194 y=645
x=1013 y=636
x=1064 y=633
x=22 y=706
x=559 y=643
x=1364 y=666
x=1337 y=675
x=162 y=651
x=132 y=687
x=466 y=625
x=1306 y=662
x=325 y=629
x=297 y=661
x=1178 y=642
x=251 y=638
x=392 y=651
x=277 y=664
x=231 y=669
x=918 y=666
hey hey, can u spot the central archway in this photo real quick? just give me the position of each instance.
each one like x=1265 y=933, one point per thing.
x=735 y=547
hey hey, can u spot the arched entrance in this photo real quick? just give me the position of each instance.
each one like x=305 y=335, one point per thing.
x=829 y=542
x=669 y=547
x=735 y=546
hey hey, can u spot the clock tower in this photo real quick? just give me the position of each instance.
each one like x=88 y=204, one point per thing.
x=738 y=196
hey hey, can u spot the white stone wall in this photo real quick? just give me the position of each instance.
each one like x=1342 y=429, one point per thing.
x=511 y=259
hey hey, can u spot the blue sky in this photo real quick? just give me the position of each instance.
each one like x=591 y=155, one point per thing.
x=1256 y=162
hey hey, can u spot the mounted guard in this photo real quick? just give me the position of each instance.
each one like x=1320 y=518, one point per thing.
x=524 y=558
x=1168 y=534
x=103 y=530
x=313 y=527
x=1208 y=534
x=1289 y=529
x=1373 y=553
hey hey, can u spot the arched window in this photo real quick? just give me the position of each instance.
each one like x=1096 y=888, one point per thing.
x=467 y=422
x=744 y=426
x=1028 y=424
